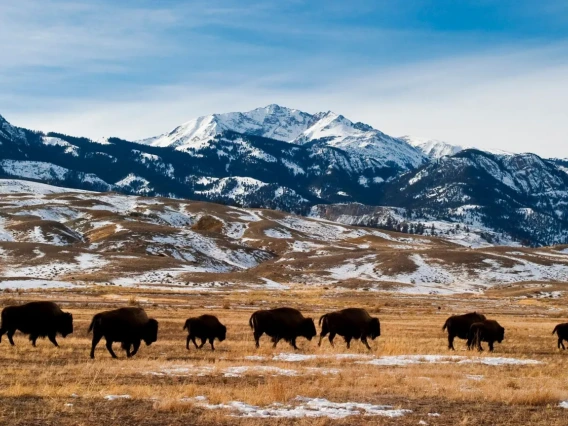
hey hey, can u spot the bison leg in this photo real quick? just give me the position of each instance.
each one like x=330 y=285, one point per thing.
x=96 y=339
x=187 y=342
x=10 y=335
x=275 y=341
x=33 y=339
x=561 y=343
x=136 y=346
x=490 y=346
x=202 y=343
x=211 y=343
x=293 y=343
x=348 y=341
x=257 y=335
x=451 y=342
x=330 y=338
x=109 y=348
x=2 y=332
x=364 y=340
x=194 y=342
x=51 y=338
x=126 y=347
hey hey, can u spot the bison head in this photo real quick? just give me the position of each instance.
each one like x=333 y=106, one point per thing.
x=374 y=328
x=222 y=333
x=308 y=328
x=500 y=334
x=65 y=326
x=150 y=332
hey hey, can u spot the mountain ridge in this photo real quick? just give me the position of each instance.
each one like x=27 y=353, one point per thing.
x=309 y=160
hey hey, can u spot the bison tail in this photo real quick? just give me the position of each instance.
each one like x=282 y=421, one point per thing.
x=95 y=319
x=446 y=324
x=186 y=326
x=555 y=330
x=321 y=319
x=252 y=320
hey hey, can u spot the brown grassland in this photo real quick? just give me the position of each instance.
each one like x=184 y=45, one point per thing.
x=51 y=386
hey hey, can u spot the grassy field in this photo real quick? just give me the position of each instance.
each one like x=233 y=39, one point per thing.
x=159 y=386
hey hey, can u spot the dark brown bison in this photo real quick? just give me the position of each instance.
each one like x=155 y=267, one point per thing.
x=205 y=327
x=561 y=331
x=125 y=325
x=282 y=323
x=459 y=325
x=38 y=319
x=485 y=331
x=350 y=323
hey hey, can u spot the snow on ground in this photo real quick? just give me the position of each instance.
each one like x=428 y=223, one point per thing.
x=303 y=407
x=238 y=371
x=90 y=261
x=277 y=233
x=403 y=360
x=115 y=397
x=31 y=284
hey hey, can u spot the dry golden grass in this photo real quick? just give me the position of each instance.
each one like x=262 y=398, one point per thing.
x=46 y=385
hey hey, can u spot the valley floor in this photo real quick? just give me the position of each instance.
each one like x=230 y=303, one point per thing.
x=408 y=378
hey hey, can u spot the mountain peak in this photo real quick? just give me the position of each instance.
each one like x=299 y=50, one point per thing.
x=293 y=126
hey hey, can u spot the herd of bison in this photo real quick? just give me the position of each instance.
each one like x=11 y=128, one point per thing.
x=131 y=325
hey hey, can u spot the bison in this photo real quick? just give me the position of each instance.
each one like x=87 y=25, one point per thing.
x=485 y=331
x=125 y=325
x=38 y=319
x=282 y=323
x=561 y=331
x=205 y=327
x=350 y=323
x=459 y=325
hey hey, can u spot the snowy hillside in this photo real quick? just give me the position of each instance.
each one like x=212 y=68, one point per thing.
x=53 y=237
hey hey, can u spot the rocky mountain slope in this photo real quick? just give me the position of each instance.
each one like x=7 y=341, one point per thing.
x=285 y=159
x=57 y=237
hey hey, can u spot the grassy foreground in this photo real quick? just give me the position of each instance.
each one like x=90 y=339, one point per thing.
x=46 y=385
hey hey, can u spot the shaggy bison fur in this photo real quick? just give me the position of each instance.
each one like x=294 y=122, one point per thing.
x=205 y=327
x=350 y=323
x=282 y=323
x=561 y=331
x=125 y=325
x=485 y=331
x=38 y=319
x=459 y=325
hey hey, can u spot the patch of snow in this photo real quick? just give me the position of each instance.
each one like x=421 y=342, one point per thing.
x=305 y=407
x=115 y=397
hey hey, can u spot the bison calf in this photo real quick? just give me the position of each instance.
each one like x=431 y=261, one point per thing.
x=38 y=319
x=561 y=331
x=125 y=325
x=459 y=325
x=205 y=327
x=350 y=323
x=282 y=323
x=485 y=331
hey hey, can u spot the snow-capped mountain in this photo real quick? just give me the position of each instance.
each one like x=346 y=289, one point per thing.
x=280 y=158
x=433 y=148
x=296 y=127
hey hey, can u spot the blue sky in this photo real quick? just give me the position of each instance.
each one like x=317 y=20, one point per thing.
x=493 y=74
